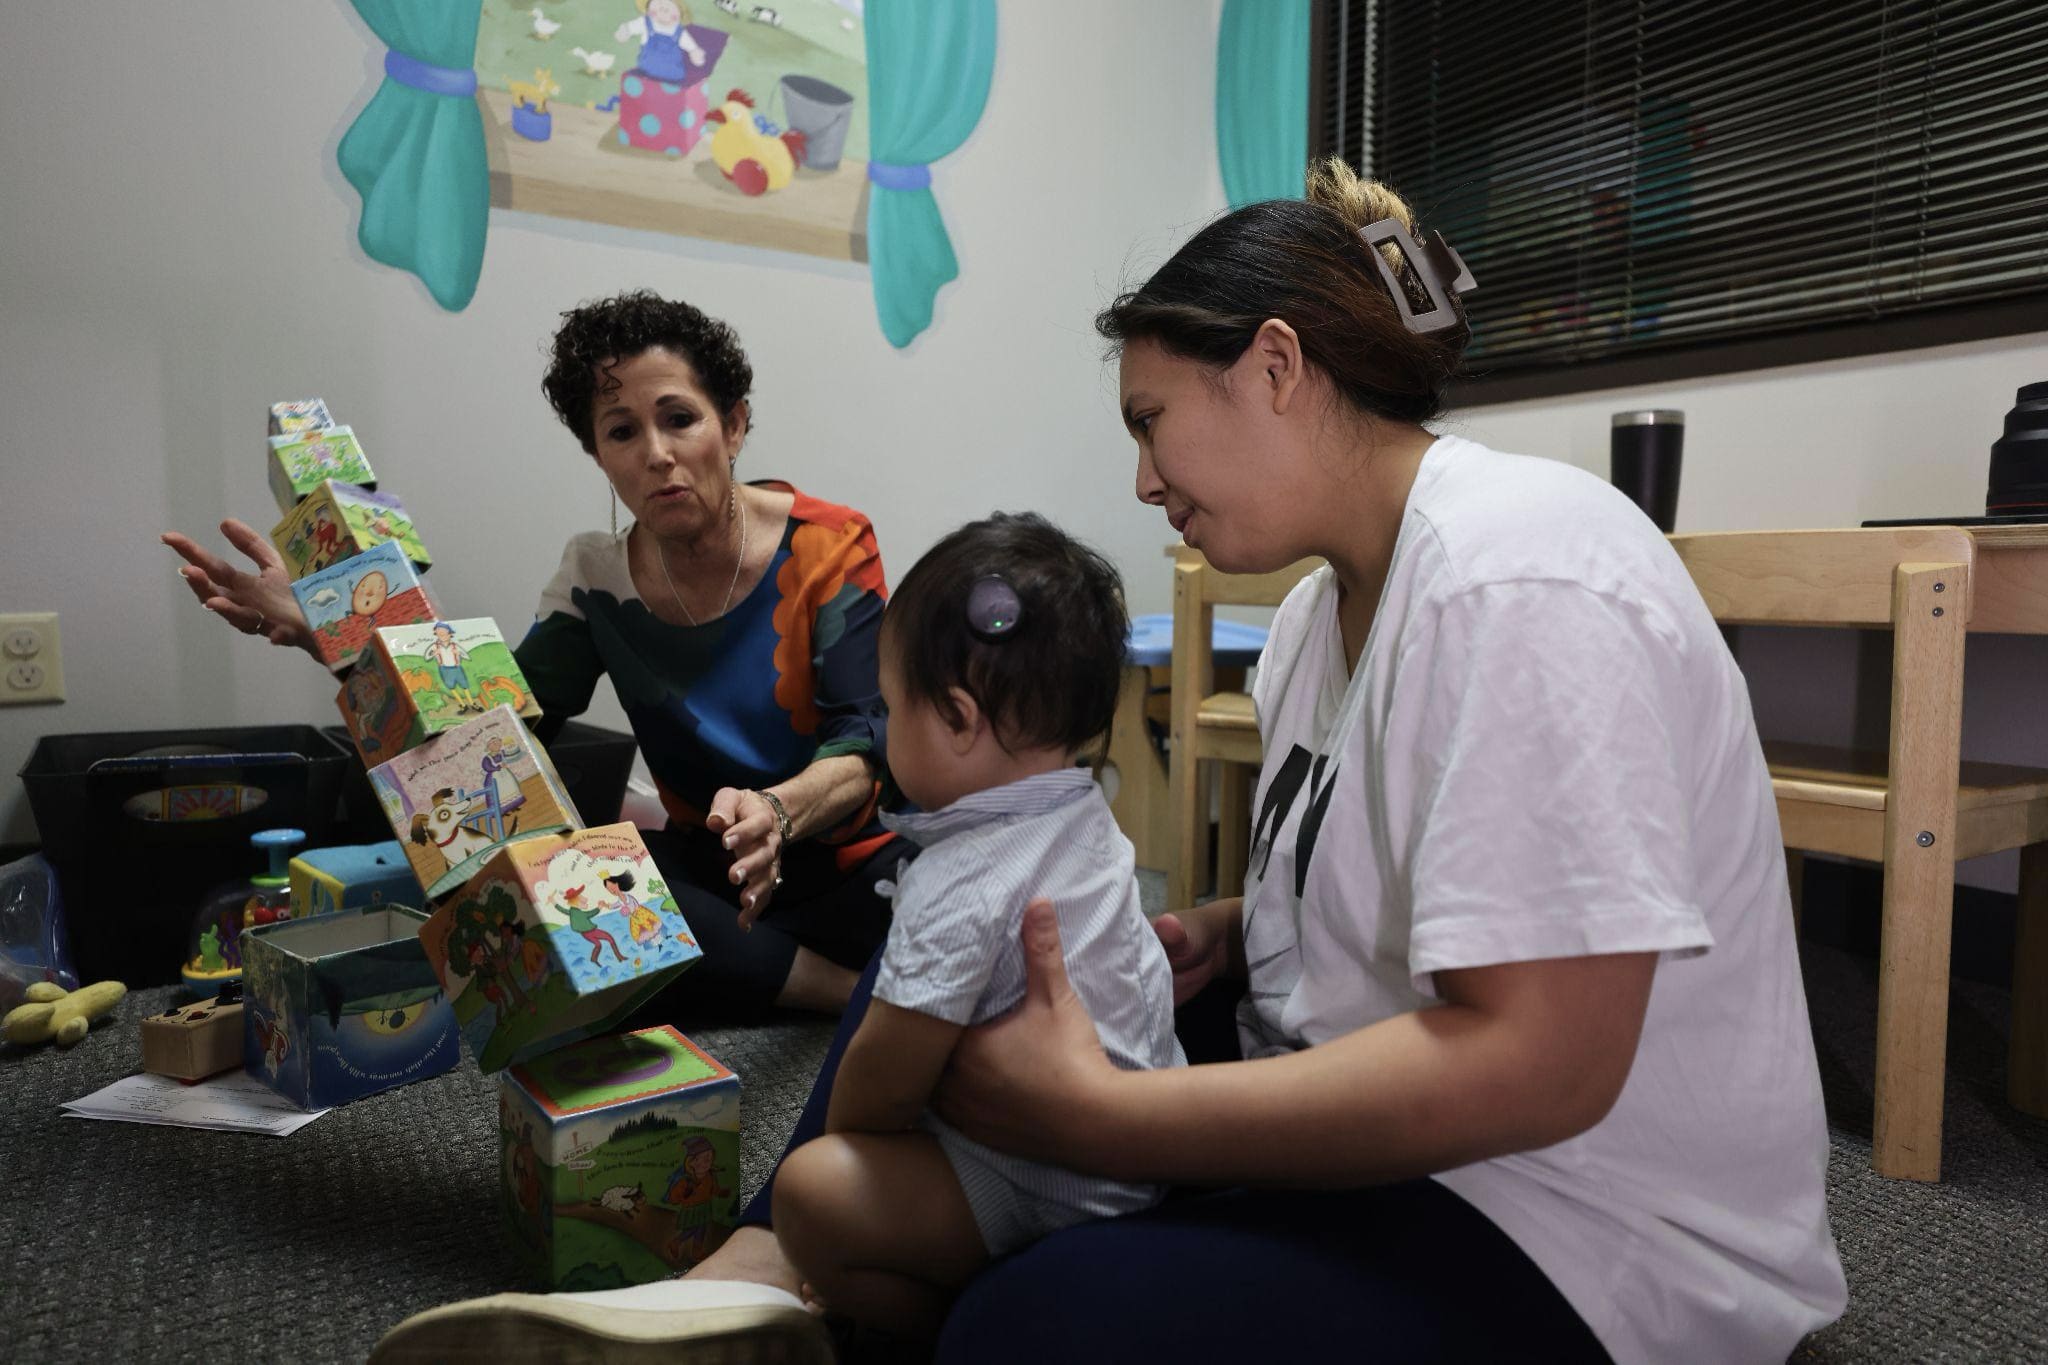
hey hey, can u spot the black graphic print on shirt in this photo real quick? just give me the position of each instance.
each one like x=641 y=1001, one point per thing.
x=1300 y=768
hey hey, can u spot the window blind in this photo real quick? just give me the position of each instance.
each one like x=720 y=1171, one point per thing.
x=1628 y=178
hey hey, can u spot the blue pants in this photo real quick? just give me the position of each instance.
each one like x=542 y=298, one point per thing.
x=1404 y=1272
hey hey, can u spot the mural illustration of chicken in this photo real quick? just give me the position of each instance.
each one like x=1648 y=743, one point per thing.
x=756 y=155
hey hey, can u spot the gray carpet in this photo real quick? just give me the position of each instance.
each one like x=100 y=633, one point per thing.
x=134 y=1243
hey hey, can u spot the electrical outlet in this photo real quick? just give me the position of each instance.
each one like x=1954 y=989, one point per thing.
x=31 y=664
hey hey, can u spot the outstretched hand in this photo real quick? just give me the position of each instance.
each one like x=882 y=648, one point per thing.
x=1017 y=1083
x=259 y=603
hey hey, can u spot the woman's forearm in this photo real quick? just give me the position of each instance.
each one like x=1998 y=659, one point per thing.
x=1412 y=1095
x=824 y=795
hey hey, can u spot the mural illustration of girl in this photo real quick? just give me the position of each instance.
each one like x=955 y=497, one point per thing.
x=449 y=660
x=664 y=36
x=691 y=1191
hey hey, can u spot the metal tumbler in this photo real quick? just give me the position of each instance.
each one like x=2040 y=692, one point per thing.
x=1645 y=450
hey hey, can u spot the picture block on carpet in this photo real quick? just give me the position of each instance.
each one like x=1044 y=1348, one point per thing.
x=349 y=876
x=619 y=1159
x=344 y=1005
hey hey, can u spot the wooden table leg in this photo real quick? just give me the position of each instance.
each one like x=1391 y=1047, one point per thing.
x=1140 y=803
x=1919 y=876
x=2026 y=1081
x=1233 y=826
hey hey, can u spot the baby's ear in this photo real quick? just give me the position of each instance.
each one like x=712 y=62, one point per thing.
x=964 y=718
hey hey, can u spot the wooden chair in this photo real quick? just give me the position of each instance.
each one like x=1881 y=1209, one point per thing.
x=1211 y=726
x=1916 y=808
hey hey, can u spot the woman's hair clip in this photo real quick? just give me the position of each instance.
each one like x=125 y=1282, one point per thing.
x=1442 y=272
x=993 y=609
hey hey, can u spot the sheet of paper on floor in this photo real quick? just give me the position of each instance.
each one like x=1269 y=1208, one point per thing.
x=234 y=1103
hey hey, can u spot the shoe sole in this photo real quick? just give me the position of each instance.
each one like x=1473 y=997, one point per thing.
x=513 y=1328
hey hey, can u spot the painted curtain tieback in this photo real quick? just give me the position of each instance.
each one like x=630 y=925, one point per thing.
x=892 y=175
x=416 y=152
x=435 y=80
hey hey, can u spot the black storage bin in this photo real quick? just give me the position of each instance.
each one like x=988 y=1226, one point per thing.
x=140 y=823
x=594 y=764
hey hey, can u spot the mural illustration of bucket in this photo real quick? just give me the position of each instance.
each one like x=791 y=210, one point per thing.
x=820 y=111
x=530 y=123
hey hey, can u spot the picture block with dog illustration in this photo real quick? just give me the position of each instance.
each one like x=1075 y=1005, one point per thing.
x=419 y=680
x=619 y=1159
x=557 y=938
x=461 y=796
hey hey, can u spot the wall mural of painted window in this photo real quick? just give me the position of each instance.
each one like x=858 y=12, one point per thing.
x=806 y=126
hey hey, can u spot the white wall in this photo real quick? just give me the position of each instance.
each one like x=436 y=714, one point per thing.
x=1833 y=444
x=177 y=251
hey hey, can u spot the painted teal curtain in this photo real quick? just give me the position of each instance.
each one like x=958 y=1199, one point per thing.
x=416 y=155
x=929 y=63
x=1262 y=99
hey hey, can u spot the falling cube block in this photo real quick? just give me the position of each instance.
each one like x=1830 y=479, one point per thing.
x=558 y=937
x=336 y=520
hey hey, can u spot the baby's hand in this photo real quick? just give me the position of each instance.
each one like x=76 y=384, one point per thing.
x=1195 y=949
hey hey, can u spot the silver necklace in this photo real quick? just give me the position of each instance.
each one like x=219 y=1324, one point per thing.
x=661 y=557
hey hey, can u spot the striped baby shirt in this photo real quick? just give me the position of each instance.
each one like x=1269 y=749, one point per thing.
x=955 y=953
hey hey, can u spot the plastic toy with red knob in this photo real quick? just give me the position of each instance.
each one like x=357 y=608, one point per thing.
x=213 y=955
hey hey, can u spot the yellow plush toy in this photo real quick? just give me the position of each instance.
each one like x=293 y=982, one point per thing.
x=54 y=1013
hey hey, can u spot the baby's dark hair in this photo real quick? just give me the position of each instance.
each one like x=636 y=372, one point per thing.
x=1049 y=681
x=595 y=337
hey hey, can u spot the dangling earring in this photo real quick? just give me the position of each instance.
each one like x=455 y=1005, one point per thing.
x=732 y=500
x=615 y=511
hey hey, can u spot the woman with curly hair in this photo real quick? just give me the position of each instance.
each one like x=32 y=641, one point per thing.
x=737 y=622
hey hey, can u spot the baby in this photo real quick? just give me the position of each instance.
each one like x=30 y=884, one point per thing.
x=1000 y=659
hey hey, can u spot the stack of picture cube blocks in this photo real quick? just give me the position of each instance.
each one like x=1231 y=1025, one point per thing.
x=539 y=931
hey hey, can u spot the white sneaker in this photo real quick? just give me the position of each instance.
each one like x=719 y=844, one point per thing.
x=676 y=1322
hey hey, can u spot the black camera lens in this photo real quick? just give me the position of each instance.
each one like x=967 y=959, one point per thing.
x=2019 y=459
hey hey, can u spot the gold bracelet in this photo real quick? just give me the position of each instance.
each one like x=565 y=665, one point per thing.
x=783 y=825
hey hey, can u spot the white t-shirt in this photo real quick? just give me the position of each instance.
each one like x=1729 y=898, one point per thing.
x=1547 y=751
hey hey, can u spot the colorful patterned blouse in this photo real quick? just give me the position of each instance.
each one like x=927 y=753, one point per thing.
x=786 y=677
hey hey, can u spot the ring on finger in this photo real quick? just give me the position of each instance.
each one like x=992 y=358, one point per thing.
x=260 y=620
x=777 y=867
